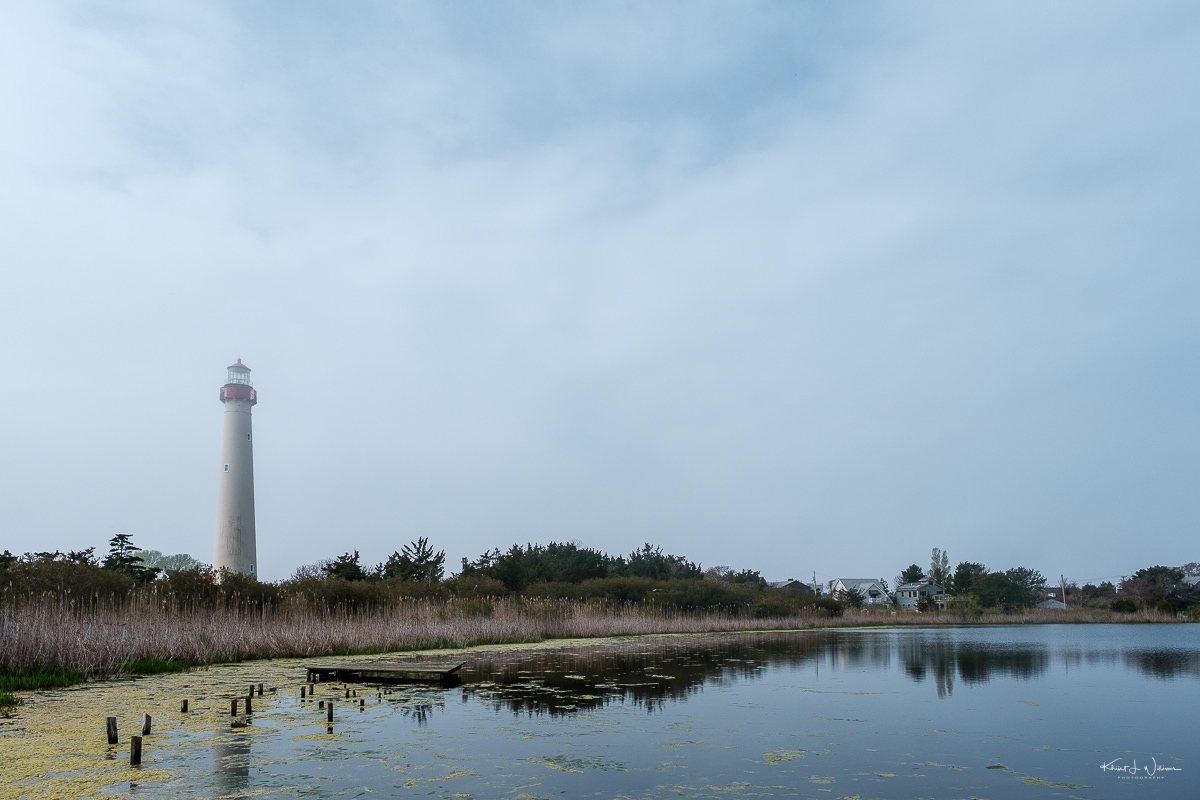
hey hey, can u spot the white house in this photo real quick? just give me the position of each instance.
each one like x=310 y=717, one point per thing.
x=909 y=595
x=872 y=590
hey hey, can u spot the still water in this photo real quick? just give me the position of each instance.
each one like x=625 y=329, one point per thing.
x=994 y=712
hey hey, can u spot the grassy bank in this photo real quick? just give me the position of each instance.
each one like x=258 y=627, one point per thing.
x=53 y=643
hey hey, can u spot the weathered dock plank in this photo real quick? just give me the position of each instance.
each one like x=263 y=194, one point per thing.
x=386 y=672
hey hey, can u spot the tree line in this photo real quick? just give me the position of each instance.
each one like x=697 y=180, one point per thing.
x=568 y=570
x=555 y=570
x=972 y=586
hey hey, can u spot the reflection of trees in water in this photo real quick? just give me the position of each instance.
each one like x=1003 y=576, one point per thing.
x=976 y=662
x=971 y=662
x=646 y=673
x=650 y=673
x=419 y=708
x=1164 y=663
x=855 y=650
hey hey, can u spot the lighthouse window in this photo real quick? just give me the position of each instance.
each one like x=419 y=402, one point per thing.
x=227 y=468
x=247 y=437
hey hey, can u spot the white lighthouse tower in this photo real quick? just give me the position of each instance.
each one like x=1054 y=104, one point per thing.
x=234 y=548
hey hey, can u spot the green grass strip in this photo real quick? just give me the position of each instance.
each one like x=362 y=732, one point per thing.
x=40 y=677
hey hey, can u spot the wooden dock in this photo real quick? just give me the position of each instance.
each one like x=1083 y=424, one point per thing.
x=387 y=672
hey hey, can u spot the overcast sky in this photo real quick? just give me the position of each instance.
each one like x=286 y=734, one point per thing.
x=799 y=287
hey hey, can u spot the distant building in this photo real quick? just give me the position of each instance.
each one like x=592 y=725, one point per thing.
x=792 y=585
x=872 y=590
x=1052 y=600
x=909 y=595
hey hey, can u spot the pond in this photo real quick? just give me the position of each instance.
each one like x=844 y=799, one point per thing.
x=948 y=712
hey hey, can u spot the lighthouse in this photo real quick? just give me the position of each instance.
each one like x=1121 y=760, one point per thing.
x=234 y=548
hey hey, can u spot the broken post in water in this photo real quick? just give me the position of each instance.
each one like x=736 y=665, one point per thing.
x=110 y=724
x=135 y=750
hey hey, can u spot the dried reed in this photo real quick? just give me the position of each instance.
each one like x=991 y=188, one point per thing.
x=101 y=640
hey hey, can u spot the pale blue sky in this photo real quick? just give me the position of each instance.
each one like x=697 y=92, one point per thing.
x=790 y=286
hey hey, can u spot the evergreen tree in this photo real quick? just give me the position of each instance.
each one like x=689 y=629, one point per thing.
x=416 y=562
x=345 y=566
x=122 y=557
x=966 y=575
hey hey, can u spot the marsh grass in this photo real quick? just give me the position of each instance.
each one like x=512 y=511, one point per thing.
x=56 y=642
x=8 y=702
x=38 y=676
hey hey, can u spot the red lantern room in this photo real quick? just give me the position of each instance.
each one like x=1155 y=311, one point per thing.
x=237 y=385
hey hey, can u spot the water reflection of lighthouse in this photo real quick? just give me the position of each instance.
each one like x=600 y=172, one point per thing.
x=235 y=548
x=231 y=763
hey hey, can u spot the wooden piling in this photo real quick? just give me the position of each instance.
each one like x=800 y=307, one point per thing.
x=260 y=687
x=347 y=693
x=329 y=710
x=110 y=724
x=135 y=751
x=183 y=706
x=249 y=705
x=321 y=704
x=145 y=724
x=362 y=702
x=233 y=707
x=303 y=691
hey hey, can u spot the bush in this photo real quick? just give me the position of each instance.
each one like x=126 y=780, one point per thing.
x=1123 y=606
x=965 y=606
x=8 y=702
x=827 y=604
x=474 y=586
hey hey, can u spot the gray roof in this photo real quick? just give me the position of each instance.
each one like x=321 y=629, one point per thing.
x=860 y=583
x=791 y=583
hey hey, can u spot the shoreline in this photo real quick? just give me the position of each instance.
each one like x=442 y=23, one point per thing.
x=424 y=638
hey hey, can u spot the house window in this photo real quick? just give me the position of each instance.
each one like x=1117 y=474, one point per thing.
x=227 y=468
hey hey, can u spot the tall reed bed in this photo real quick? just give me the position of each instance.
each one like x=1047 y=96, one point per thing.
x=103 y=639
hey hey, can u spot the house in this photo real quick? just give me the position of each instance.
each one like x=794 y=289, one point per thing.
x=909 y=595
x=872 y=590
x=1052 y=600
x=792 y=585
